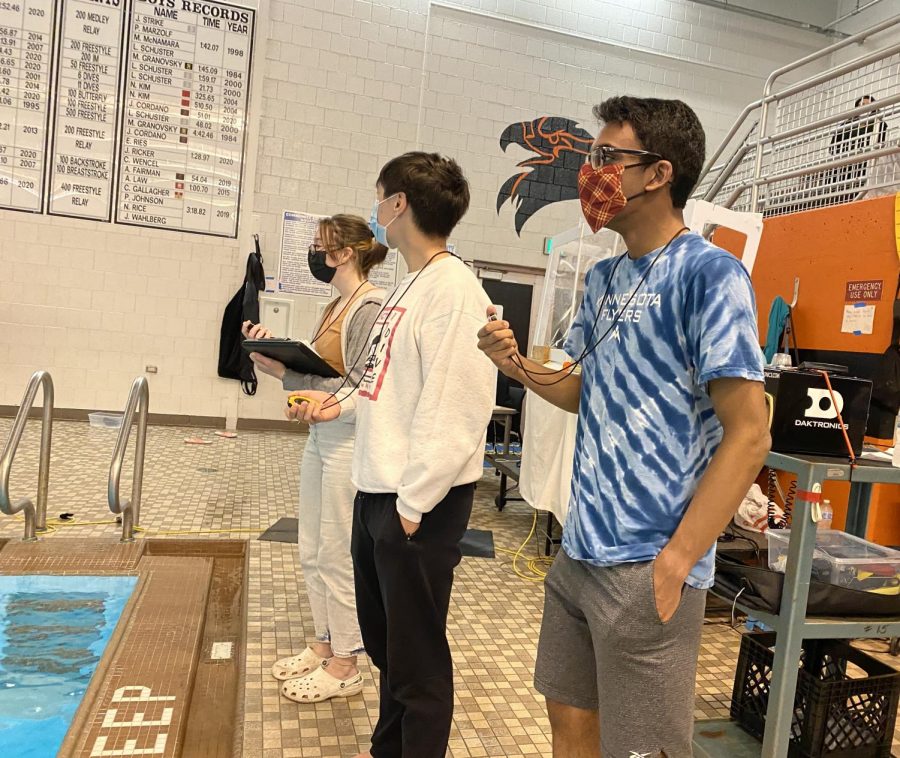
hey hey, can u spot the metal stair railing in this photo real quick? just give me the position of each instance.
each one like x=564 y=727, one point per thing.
x=35 y=514
x=130 y=509
x=718 y=176
x=806 y=171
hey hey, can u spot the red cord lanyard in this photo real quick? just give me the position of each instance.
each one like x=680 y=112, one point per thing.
x=840 y=419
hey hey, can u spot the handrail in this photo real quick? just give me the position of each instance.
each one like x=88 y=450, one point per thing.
x=130 y=510
x=768 y=96
x=735 y=128
x=809 y=128
x=837 y=163
x=823 y=53
x=35 y=516
x=726 y=173
x=844 y=68
x=826 y=51
x=814 y=126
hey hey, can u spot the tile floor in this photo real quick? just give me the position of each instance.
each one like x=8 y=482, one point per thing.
x=248 y=483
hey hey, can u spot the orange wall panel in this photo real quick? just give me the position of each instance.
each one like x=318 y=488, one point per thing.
x=884 y=515
x=826 y=248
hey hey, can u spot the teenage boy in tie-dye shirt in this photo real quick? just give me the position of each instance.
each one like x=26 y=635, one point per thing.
x=672 y=430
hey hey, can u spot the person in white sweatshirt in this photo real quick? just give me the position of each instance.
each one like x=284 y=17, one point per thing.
x=342 y=254
x=422 y=410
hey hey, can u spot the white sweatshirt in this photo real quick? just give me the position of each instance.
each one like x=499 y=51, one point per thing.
x=427 y=394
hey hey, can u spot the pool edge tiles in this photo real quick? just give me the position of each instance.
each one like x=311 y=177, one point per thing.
x=141 y=705
x=92 y=556
x=163 y=687
x=44 y=675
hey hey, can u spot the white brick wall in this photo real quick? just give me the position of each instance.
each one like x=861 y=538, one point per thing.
x=880 y=11
x=95 y=303
x=338 y=92
x=867 y=18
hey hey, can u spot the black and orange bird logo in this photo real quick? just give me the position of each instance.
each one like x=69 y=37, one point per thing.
x=560 y=147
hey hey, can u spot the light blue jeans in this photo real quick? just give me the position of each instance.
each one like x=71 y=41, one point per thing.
x=325 y=521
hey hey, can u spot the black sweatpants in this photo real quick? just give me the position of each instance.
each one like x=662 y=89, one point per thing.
x=402 y=598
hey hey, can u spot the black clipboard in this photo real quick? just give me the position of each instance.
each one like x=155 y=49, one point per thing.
x=297 y=356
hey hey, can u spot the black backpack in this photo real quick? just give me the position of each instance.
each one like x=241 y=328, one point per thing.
x=234 y=362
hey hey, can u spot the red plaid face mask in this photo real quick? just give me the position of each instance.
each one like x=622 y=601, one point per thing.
x=600 y=191
x=601 y=195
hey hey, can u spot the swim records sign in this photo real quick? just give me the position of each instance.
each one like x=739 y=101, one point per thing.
x=144 y=110
x=84 y=129
x=26 y=46
x=188 y=78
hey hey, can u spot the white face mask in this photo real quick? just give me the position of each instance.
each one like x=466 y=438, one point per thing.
x=380 y=230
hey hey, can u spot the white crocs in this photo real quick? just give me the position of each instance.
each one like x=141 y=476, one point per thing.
x=319 y=686
x=296 y=665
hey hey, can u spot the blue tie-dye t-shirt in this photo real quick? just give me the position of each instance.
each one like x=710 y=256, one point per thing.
x=646 y=426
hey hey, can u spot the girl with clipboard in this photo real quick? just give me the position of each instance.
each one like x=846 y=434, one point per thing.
x=343 y=252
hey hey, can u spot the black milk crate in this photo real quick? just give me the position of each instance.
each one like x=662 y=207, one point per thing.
x=836 y=715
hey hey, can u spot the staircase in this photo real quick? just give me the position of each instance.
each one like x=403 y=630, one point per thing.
x=831 y=137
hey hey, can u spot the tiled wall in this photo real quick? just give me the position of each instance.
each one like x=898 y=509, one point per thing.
x=344 y=85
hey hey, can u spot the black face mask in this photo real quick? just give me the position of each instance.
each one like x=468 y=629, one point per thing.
x=319 y=268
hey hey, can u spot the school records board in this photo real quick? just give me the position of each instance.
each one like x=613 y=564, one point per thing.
x=133 y=110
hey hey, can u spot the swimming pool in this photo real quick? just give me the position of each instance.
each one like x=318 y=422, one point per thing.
x=53 y=630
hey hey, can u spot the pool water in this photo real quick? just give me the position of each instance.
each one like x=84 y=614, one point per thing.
x=53 y=630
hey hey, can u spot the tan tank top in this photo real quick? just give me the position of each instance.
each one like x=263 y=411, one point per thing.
x=328 y=345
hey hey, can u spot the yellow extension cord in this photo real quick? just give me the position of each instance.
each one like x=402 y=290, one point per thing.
x=55 y=527
x=536 y=566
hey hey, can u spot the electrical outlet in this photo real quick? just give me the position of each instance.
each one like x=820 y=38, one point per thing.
x=151 y=369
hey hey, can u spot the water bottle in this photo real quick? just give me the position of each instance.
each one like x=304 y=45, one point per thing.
x=781 y=360
x=827 y=515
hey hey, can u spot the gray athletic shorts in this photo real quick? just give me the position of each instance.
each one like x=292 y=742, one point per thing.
x=603 y=647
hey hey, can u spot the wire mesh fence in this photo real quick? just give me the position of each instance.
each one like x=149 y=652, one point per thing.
x=832 y=142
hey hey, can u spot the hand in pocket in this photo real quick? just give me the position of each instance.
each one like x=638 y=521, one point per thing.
x=668 y=586
x=409 y=527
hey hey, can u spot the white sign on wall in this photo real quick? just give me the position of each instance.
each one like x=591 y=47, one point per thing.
x=185 y=109
x=385 y=274
x=147 y=119
x=87 y=84
x=859 y=319
x=297 y=233
x=26 y=43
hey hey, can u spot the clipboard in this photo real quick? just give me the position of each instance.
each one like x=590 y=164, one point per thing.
x=297 y=356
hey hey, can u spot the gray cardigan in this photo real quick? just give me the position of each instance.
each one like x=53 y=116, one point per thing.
x=355 y=338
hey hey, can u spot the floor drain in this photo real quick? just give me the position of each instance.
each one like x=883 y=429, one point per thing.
x=207 y=470
x=221 y=651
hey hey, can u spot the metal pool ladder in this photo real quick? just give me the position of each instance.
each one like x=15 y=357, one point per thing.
x=130 y=510
x=35 y=515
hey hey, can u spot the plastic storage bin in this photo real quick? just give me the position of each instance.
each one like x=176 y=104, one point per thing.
x=846 y=701
x=842 y=559
x=106 y=420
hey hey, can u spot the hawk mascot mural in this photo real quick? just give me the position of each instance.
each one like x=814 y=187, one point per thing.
x=560 y=148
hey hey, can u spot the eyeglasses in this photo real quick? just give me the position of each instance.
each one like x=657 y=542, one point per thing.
x=315 y=249
x=605 y=155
